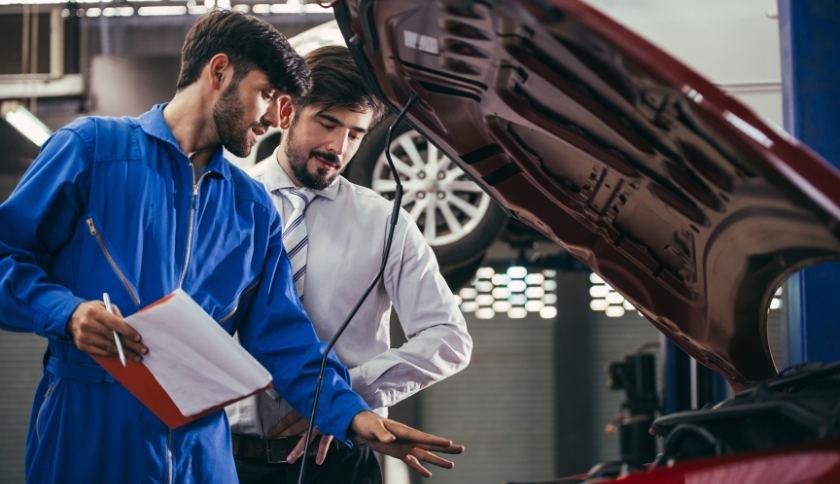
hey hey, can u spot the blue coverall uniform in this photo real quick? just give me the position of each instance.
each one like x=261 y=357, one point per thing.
x=110 y=206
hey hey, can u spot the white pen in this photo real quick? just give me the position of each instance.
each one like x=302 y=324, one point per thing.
x=107 y=300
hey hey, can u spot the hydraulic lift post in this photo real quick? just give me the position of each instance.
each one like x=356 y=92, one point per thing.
x=810 y=55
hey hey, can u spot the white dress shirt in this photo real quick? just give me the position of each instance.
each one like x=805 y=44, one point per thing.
x=346 y=225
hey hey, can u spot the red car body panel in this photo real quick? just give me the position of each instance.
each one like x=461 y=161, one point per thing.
x=816 y=462
x=679 y=196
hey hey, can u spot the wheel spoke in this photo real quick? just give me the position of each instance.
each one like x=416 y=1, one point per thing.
x=407 y=144
x=462 y=186
x=451 y=219
x=408 y=197
x=462 y=205
x=402 y=168
x=384 y=186
x=430 y=230
x=431 y=159
x=413 y=185
x=453 y=174
x=444 y=163
x=418 y=208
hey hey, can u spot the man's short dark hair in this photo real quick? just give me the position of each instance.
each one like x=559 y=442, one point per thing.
x=249 y=43
x=336 y=83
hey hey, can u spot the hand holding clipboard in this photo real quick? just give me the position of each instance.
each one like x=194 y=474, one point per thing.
x=193 y=367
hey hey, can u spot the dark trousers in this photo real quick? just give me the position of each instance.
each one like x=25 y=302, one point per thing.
x=352 y=466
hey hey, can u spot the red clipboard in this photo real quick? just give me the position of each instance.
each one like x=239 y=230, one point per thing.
x=138 y=380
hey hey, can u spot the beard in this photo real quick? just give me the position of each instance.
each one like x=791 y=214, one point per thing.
x=298 y=162
x=231 y=127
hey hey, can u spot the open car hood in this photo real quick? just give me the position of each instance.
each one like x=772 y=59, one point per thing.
x=677 y=195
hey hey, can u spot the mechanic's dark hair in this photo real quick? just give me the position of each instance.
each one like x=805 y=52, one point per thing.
x=249 y=43
x=337 y=83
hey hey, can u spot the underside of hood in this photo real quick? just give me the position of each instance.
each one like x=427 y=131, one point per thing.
x=677 y=195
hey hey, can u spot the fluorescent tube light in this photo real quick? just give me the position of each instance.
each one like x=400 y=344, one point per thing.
x=167 y=10
x=25 y=122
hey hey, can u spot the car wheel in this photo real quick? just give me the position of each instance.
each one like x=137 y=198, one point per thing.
x=462 y=275
x=458 y=219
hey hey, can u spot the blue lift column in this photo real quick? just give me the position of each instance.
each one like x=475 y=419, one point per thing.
x=810 y=48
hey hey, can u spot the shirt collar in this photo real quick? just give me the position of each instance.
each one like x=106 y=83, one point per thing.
x=154 y=125
x=277 y=179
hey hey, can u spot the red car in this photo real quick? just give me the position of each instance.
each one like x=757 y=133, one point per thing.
x=677 y=195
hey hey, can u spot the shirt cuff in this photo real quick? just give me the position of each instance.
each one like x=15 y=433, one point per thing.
x=361 y=386
x=51 y=322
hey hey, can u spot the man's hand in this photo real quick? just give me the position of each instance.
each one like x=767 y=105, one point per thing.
x=91 y=327
x=403 y=442
x=296 y=424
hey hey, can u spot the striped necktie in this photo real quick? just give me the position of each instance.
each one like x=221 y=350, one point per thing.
x=295 y=239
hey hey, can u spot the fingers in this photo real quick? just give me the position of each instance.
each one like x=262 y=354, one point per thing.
x=370 y=426
x=118 y=324
x=414 y=464
x=295 y=454
x=404 y=432
x=382 y=434
x=432 y=458
x=412 y=454
x=323 y=448
x=449 y=449
x=116 y=310
x=97 y=344
x=92 y=326
x=297 y=451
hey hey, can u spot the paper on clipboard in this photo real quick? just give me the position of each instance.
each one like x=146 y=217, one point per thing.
x=195 y=361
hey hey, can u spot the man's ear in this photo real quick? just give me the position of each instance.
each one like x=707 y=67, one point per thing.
x=287 y=109
x=218 y=71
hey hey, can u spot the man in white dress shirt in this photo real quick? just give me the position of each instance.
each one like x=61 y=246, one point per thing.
x=335 y=232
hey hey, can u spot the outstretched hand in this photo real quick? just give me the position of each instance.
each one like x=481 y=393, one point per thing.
x=403 y=442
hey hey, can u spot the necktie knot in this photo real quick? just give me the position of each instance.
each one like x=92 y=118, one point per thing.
x=300 y=198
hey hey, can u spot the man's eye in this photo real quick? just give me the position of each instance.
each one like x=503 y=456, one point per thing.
x=326 y=126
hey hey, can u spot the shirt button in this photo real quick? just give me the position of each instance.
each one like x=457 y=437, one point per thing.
x=271 y=405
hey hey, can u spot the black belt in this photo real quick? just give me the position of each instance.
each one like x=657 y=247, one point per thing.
x=273 y=451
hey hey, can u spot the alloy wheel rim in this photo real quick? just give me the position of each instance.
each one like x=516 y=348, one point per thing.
x=435 y=189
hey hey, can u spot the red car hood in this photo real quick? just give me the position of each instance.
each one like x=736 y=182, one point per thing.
x=681 y=198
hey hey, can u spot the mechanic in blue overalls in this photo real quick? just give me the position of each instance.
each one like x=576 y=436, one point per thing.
x=139 y=207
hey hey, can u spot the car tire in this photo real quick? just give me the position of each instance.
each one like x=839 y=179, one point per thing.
x=478 y=228
x=462 y=275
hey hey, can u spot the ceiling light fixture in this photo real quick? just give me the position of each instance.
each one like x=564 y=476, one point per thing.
x=25 y=122
x=161 y=11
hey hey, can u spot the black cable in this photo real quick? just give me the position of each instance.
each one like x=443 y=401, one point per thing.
x=675 y=438
x=390 y=237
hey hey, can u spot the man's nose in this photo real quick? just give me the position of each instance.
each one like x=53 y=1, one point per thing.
x=271 y=117
x=337 y=142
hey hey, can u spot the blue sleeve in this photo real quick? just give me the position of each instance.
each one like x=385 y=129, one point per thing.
x=278 y=333
x=37 y=219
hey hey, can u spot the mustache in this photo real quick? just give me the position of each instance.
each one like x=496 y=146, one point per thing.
x=325 y=156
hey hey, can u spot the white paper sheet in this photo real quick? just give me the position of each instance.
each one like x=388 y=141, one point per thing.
x=193 y=358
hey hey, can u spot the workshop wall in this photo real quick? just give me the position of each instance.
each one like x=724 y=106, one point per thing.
x=20 y=370
x=501 y=407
